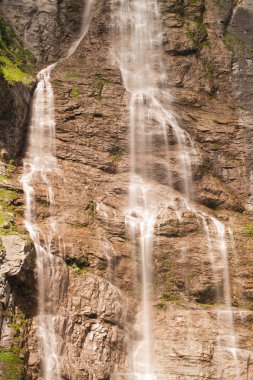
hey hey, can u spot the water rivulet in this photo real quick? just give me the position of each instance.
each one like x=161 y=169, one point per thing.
x=40 y=168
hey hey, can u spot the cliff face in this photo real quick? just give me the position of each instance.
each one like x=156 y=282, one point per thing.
x=46 y=27
x=208 y=52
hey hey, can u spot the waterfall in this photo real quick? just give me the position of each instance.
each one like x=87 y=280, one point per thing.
x=159 y=150
x=138 y=54
x=40 y=167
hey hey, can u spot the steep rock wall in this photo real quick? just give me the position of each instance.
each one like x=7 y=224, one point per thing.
x=14 y=116
x=92 y=136
x=208 y=59
x=46 y=27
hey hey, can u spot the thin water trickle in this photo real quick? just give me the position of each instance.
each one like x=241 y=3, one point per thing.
x=40 y=167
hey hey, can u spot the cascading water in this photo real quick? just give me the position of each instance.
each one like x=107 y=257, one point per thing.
x=138 y=54
x=218 y=254
x=40 y=166
x=40 y=162
x=157 y=142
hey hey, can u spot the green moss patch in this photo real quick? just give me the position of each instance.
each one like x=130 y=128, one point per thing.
x=72 y=75
x=198 y=35
x=16 y=62
x=99 y=83
x=11 y=365
x=248 y=229
x=75 y=91
x=12 y=73
x=8 y=207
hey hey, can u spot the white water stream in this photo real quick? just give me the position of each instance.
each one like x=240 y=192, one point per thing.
x=137 y=51
x=40 y=167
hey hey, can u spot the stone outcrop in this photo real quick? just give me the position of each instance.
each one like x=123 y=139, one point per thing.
x=46 y=27
x=17 y=302
x=208 y=58
x=14 y=116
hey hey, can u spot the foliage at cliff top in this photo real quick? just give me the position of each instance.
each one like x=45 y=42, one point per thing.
x=16 y=62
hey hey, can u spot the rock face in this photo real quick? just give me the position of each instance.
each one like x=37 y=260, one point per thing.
x=207 y=49
x=14 y=114
x=46 y=27
x=16 y=302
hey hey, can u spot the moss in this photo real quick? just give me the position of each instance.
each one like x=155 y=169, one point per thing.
x=15 y=326
x=165 y=283
x=8 y=200
x=98 y=86
x=11 y=365
x=72 y=75
x=116 y=152
x=169 y=297
x=78 y=266
x=75 y=91
x=12 y=73
x=248 y=229
x=209 y=70
x=9 y=168
x=199 y=34
x=16 y=62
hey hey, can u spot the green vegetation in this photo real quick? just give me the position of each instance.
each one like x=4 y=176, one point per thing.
x=8 y=198
x=78 y=266
x=12 y=73
x=165 y=283
x=248 y=228
x=72 y=75
x=116 y=152
x=209 y=70
x=232 y=41
x=98 y=86
x=11 y=365
x=199 y=34
x=16 y=62
x=8 y=171
x=75 y=91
